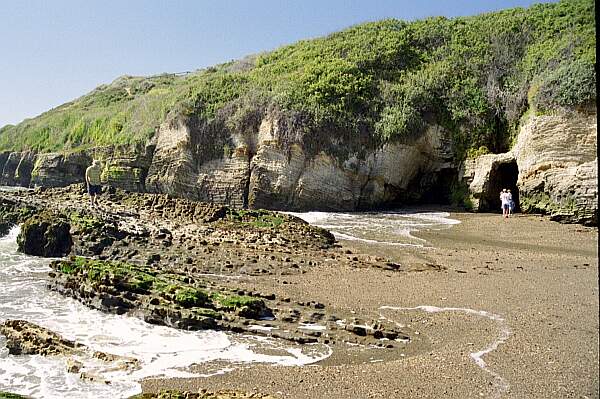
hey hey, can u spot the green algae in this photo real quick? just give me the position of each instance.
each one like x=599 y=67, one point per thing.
x=259 y=218
x=171 y=289
x=236 y=301
x=85 y=223
x=8 y=395
x=188 y=297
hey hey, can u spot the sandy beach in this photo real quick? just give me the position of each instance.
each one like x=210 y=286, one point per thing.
x=510 y=310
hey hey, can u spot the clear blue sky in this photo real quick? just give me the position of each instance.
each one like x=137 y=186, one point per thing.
x=52 y=51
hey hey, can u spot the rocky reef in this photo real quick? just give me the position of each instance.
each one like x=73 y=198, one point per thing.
x=187 y=301
x=165 y=260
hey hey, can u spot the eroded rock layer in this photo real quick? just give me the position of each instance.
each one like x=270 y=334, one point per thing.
x=552 y=168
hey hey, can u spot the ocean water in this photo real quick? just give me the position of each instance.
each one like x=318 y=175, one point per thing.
x=162 y=351
x=393 y=228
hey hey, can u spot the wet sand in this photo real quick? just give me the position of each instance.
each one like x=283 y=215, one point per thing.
x=522 y=292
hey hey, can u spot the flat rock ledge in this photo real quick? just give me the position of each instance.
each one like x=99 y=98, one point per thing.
x=26 y=338
x=184 y=301
x=203 y=394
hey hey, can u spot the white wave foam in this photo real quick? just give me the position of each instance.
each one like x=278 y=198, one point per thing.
x=380 y=228
x=162 y=351
x=503 y=335
x=10 y=239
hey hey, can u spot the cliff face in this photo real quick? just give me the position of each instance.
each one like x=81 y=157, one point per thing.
x=558 y=166
x=258 y=172
x=552 y=169
x=255 y=170
x=124 y=167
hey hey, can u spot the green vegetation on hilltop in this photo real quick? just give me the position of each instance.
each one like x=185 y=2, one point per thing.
x=371 y=83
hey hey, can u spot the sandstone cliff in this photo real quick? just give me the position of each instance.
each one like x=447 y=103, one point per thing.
x=381 y=114
x=553 y=169
x=257 y=171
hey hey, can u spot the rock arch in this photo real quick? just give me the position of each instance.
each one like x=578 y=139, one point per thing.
x=486 y=176
x=502 y=175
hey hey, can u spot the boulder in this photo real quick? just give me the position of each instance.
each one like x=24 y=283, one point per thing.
x=46 y=235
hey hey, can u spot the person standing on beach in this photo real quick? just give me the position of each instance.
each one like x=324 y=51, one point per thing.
x=511 y=203
x=92 y=178
x=504 y=202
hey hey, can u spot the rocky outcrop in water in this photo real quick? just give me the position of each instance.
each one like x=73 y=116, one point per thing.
x=45 y=234
x=25 y=338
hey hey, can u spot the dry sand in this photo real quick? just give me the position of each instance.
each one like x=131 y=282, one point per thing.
x=536 y=279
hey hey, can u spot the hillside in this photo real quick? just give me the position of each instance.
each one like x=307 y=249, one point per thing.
x=370 y=84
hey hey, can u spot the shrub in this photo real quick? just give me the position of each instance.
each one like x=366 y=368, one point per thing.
x=368 y=84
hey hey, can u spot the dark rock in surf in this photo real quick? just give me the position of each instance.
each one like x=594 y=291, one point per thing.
x=45 y=235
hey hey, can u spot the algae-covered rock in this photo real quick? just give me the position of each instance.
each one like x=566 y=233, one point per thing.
x=8 y=395
x=45 y=235
x=202 y=394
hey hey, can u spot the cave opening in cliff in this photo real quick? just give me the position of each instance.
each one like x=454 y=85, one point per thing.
x=440 y=188
x=503 y=175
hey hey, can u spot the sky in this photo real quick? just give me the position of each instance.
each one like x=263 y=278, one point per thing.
x=54 y=51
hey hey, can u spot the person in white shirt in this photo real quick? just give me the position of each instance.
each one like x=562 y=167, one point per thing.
x=504 y=199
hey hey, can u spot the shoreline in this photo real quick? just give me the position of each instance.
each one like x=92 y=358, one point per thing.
x=495 y=307
x=544 y=291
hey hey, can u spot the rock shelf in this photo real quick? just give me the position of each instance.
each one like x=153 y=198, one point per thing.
x=177 y=263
